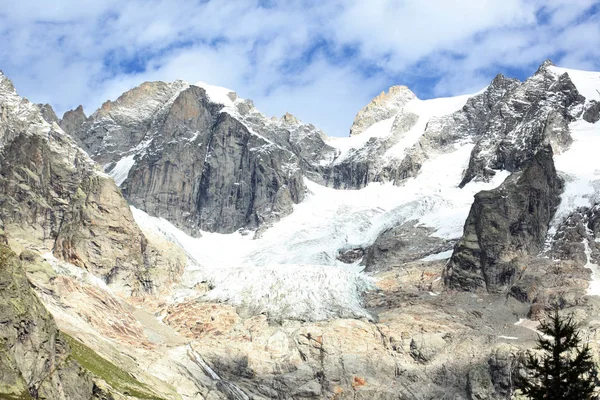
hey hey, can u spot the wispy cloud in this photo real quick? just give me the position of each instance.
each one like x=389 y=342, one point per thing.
x=319 y=60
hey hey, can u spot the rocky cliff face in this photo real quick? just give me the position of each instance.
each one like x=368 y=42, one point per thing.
x=39 y=361
x=511 y=222
x=505 y=226
x=72 y=119
x=48 y=113
x=35 y=360
x=530 y=116
x=592 y=112
x=220 y=179
x=54 y=198
x=178 y=155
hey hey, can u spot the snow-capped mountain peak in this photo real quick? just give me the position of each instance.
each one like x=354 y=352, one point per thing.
x=382 y=107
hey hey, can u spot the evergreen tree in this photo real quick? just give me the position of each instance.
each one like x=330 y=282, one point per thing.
x=565 y=370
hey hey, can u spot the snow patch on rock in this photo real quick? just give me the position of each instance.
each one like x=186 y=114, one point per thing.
x=121 y=169
x=218 y=94
x=444 y=255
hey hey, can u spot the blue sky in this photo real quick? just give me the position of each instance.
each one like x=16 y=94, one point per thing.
x=320 y=60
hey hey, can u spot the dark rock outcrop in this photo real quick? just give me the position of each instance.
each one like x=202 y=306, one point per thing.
x=479 y=383
x=221 y=179
x=504 y=225
x=351 y=256
x=72 y=120
x=592 y=112
x=504 y=365
x=401 y=244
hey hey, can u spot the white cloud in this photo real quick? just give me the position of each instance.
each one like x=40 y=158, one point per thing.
x=319 y=60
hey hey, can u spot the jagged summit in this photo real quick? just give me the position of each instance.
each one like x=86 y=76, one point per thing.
x=48 y=113
x=6 y=84
x=141 y=102
x=290 y=119
x=381 y=107
x=73 y=119
x=545 y=65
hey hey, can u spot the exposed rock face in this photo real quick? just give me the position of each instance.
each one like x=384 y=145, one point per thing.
x=382 y=107
x=592 y=112
x=351 y=256
x=505 y=225
x=48 y=113
x=183 y=158
x=39 y=361
x=35 y=358
x=529 y=117
x=401 y=244
x=503 y=366
x=72 y=120
x=220 y=179
x=362 y=165
x=121 y=125
x=52 y=197
x=479 y=384
x=470 y=122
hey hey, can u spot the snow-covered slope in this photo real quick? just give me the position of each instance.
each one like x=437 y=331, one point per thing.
x=580 y=165
x=291 y=270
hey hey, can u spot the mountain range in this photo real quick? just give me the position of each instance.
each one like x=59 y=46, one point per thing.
x=179 y=244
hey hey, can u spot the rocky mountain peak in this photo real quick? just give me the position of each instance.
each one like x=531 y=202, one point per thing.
x=382 y=107
x=501 y=81
x=290 y=119
x=48 y=113
x=6 y=86
x=199 y=147
x=17 y=114
x=232 y=96
x=72 y=119
x=547 y=102
x=141 y=102
x=544 y=66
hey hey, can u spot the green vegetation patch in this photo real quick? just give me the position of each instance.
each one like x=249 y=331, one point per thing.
x=119 y=379
x=24 y=396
